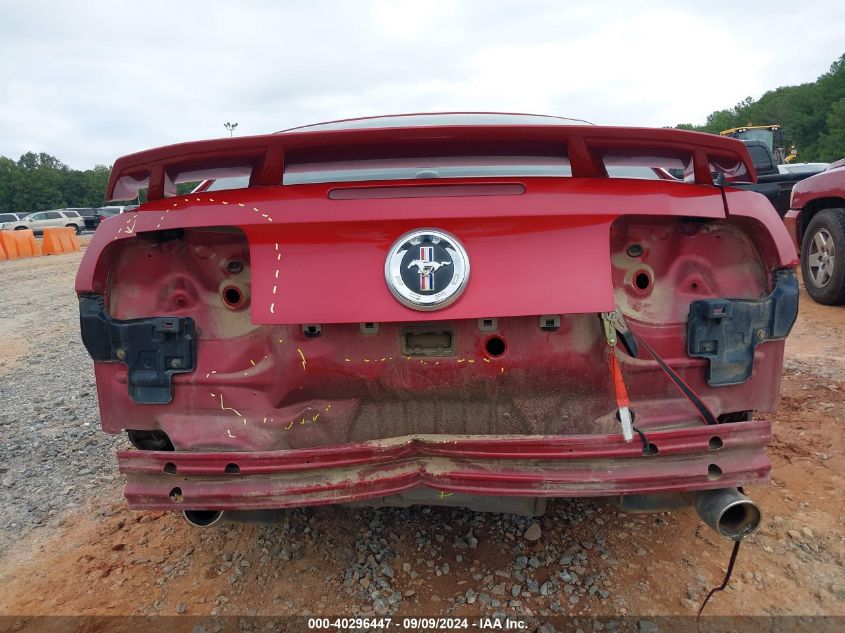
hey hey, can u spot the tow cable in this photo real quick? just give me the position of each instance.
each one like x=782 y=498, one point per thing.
x=614 y=323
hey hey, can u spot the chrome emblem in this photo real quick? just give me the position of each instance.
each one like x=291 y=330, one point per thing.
x=427 y=269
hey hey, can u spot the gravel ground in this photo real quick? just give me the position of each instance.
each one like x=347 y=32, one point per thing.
x=53 y=454
x=64 y=519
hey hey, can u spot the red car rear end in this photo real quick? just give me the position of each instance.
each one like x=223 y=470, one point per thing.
x=453 y=309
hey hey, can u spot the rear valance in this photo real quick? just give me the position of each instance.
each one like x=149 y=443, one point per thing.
x=587 y=149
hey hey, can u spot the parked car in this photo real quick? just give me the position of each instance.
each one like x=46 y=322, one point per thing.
x=452 y=309
x=776 y=181
x=10 y=217
x=803 y=168
x=47 y=219
x=816 y=222
x=99 y=215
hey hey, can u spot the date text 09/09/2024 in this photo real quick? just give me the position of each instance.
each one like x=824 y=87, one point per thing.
x=416 y=624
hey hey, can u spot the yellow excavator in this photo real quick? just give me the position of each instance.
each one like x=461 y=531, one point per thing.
x=771 y=135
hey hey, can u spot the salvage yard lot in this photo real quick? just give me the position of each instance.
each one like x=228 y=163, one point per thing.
x=69 y=546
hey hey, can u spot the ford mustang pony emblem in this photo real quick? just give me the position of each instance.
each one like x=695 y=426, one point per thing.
x=427 y=269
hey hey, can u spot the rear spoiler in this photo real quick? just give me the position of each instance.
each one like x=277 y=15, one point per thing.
x=588 y=149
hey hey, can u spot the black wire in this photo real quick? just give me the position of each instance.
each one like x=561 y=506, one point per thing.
x=684 y=388
x=721 y=587
x=643 y=438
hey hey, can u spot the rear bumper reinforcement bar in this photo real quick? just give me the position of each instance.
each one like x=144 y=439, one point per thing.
x=691 y=458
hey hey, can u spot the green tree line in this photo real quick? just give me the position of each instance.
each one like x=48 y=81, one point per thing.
x=812 y=115
x=39 y=181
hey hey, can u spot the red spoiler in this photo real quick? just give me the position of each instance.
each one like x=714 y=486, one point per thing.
x=588 y=148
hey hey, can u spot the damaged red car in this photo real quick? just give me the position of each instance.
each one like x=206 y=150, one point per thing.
x=466 y=309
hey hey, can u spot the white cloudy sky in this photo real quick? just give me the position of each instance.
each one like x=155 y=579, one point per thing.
x=88 y=81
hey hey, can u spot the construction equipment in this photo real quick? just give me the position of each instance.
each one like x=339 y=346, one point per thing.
x=771 y=135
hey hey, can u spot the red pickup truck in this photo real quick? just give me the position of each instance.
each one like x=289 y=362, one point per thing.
x=816 y=222
x=474 y=309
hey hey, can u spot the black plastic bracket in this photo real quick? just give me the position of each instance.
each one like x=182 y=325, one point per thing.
x=726 y=331
x=153 y=349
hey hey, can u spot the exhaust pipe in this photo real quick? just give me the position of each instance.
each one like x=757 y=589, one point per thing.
x=202 y=518
x=729 y=512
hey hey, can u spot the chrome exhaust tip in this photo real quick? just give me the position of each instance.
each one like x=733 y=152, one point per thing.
x=729 y=512
x=202 y=518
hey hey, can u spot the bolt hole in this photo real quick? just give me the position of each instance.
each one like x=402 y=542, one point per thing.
x=232 y=469
x=714 y=472
x=232 y=296
x=650 y=449
x=634 y=250
x=694 y=285
x=235 y=266
x=495 y=346
x=642 y=281
x=170 y=468
x=176 y=494
x=715 y=443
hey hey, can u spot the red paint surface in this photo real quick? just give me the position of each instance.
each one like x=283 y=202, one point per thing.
x=265 y=156
x=824 y=190
x=593 y=465
x=310 y=420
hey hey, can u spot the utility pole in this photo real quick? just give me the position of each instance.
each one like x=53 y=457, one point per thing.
x=231 y=127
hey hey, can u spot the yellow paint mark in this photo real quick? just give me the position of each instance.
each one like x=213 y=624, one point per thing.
x=314 y=419
x=277 y=273
x=256 y=210
x=348 y=360
x=174 y=204
x=437 y=362
x=277 y=246
x=281 y=340
x=264 y=421
x=274 y=289
x=198 y=200
x=279 y=257
x=470 y=361
x=287 y=428
x=444 y=494
x=241 y=204
x=366 y=360
x=302 y=421
x=486 y=360
x=272 y=308
x=235 y=411
x=187 y=199
x=462 y=360
x=304 y=362
x=224 y=202
x=213 y=371
x=501 y=370
x=252 y=362
x=328 y=407
x=212 y=199
x=383 y=359
x=230 y=433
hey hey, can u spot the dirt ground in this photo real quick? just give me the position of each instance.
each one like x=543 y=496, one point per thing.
x=103 y=559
